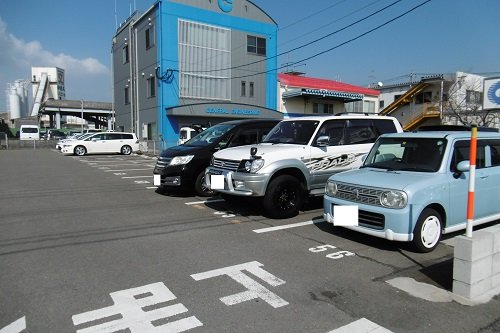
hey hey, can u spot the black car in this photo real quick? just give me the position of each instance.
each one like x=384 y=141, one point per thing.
x=183 y=167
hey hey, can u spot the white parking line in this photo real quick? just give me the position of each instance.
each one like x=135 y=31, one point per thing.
x=132 y=177
x=288 y=226
x=119 y=164
x=362 y=325
x=128 y=170
x=202 y=202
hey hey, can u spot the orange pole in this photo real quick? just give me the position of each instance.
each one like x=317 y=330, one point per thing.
x=472 y=179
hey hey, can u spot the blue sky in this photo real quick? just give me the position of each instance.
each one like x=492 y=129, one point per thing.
x=442 y=36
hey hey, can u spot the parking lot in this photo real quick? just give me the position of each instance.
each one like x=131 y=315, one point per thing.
x=88 y=245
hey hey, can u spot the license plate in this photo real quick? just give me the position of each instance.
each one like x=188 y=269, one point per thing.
x=157 y=180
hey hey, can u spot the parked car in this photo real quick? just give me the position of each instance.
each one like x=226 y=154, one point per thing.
x=54 y=134
x=76 y=136
x=296 y=158
x=183 y=167
x=103 y=142
x=187 y=133
x=29 y=132
x=414 y=186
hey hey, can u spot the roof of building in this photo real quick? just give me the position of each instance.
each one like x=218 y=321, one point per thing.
x=315 y=83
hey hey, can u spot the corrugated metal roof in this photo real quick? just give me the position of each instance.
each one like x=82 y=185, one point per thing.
x=315 y=83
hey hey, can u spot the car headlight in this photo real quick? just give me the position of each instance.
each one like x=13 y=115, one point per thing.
x=331 y=189
x=179 y=160
x=254 y=165
x=393 y=199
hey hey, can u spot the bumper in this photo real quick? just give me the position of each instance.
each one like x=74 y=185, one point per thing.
x=180 y=176
x=396 y=225
x=239 y=183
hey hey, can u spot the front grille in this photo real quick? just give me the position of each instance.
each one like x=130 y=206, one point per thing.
x=359 y=194
x=371 y=220
x=226 y=164
x=162 y=162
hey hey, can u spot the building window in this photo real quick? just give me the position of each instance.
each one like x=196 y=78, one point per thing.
x=125 y=54
x=251 y=92
x=150 y=37
x=127 y=95
x=381 y=104
x=368 y=106
x=243 y=88
x=354 y=107
x=256 y=45
x=423 y=97
x=151 y=87
x=473 y=97
x=204 y=61
x=322 y=108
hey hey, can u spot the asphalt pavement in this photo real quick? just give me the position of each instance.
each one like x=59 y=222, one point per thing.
x=88 y=245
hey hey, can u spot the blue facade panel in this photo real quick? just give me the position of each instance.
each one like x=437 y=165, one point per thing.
x=168 y=15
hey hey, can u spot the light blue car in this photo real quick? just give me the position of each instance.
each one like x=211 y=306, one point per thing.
x=414 y=186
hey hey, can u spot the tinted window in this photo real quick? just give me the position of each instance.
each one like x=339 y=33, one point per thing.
x=495 y=152
x=461 y=152
x=29 y=130
x=292 y=132
x=334 y=130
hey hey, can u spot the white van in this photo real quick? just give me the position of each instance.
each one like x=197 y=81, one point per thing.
x=186 y=133
x=29 y=132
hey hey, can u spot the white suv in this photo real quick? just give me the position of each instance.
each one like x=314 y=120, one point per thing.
x=295 y=159
x=103 y=142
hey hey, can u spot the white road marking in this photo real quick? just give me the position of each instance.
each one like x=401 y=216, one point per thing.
x=16 y=327
x=202 y=202
x=110 y=165
x=362 y=325
x=254 y=289
x=133 y=177
x=132 y=305
x=129 y=170
x=152 y=187
x=288 y=226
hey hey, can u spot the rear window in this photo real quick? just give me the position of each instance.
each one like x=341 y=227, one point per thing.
x=29 y=130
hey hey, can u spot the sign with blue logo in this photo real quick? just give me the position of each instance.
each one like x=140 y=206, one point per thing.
x=226 y=5
x=491 y=93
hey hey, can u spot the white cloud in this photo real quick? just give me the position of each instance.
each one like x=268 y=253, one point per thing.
x=86 y=78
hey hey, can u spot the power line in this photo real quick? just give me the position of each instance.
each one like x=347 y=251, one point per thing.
x=338 y=45
x=313 y=14
x=303 y=45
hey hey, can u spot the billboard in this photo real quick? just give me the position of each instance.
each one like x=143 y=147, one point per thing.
x=491 y=98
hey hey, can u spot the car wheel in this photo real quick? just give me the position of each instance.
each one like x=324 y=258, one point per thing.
x=80 y=150
x=126 y=150
x=284 y=197
x=428 y=230
x=200 y=187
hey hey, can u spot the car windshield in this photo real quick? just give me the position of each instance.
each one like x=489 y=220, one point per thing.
x=292 y=132
x=209 y=136
x=407 y=154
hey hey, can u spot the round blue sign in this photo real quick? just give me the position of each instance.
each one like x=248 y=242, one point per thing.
x=494 y=93
x=226 y=5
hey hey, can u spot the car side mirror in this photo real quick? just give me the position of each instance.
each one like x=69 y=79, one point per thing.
x=323 y=141
x=462 y=166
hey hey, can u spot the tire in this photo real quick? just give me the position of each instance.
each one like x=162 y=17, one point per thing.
x=427 y=232
x=199 y=186
x=284 y=197
x=126 y=150
x=80 y=150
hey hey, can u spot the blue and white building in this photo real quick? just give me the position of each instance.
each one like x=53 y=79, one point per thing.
x=185 y=62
